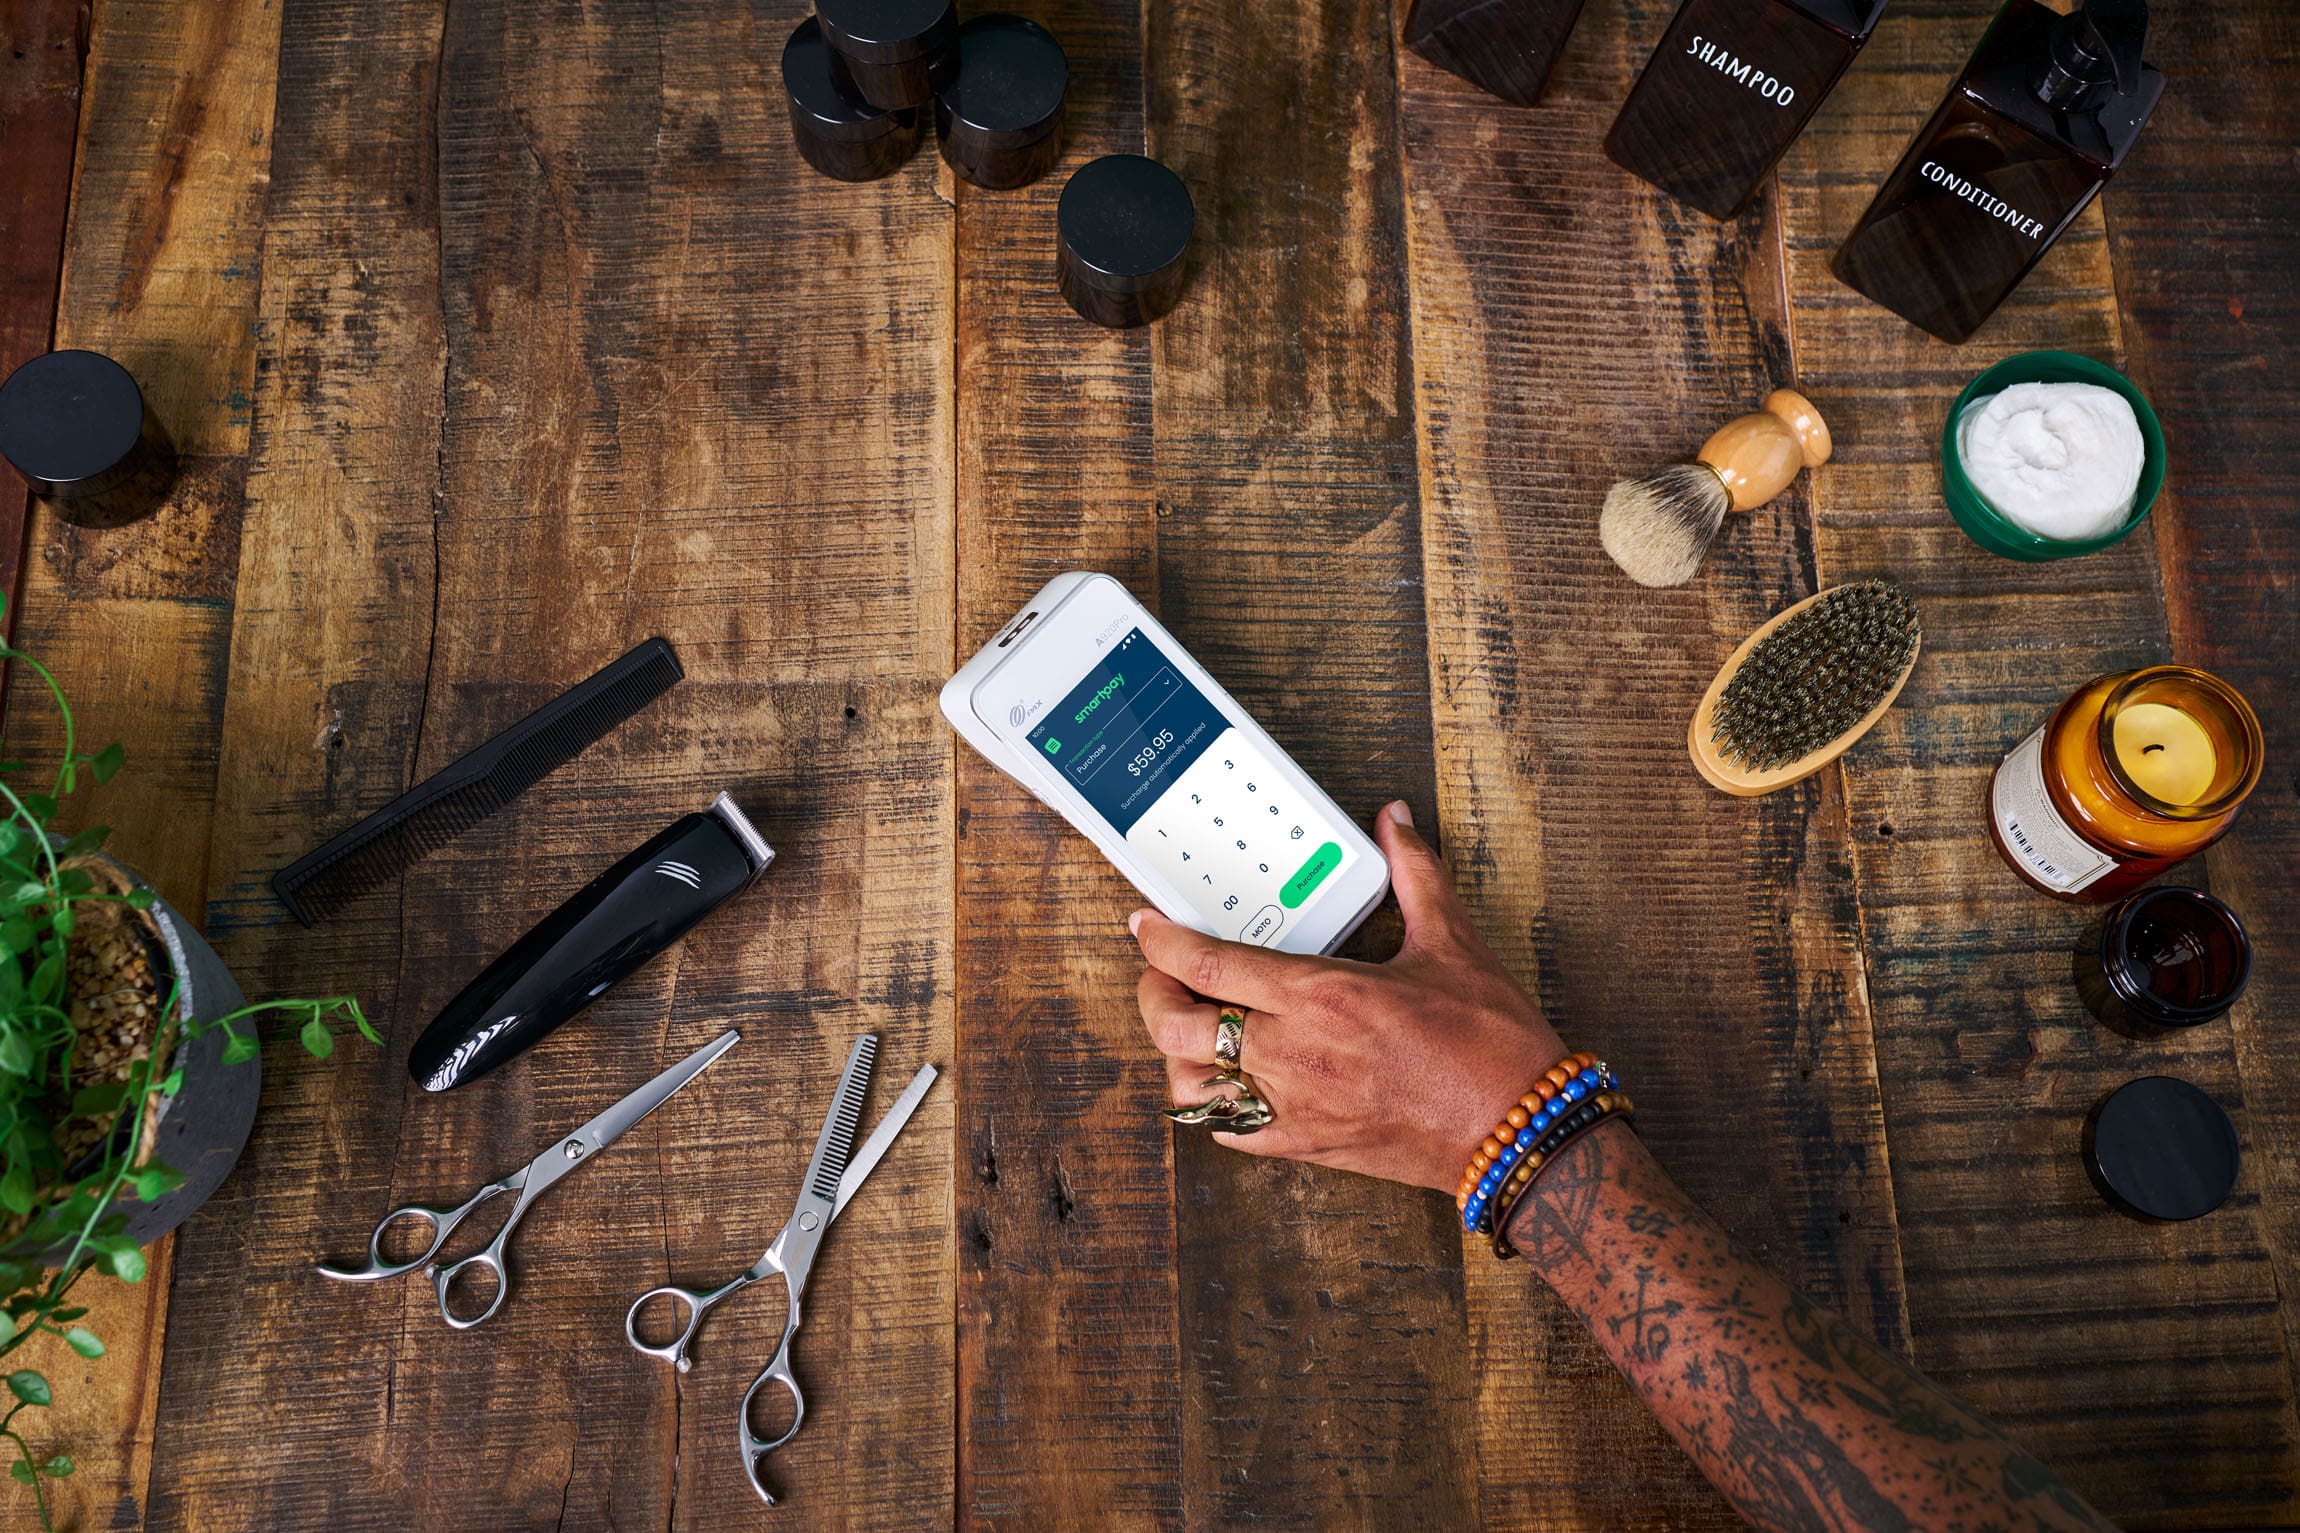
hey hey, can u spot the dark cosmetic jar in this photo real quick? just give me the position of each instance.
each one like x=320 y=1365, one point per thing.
x=1124 y=226
x=894 y=54
x=843 y=137
x=1000 y=125
x=75 y=425
x=2161 y=1150
x=2162 y=959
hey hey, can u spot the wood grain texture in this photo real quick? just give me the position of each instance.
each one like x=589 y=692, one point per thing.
x=1327 y=1377
x=2201 y=224
x=573 y=299
x=1988 y=1061
x=1707 y=946
x=159 y=265
x=43 y=45
x=1069 y=1372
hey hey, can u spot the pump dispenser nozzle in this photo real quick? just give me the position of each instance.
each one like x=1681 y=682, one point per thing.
x=2099 y=43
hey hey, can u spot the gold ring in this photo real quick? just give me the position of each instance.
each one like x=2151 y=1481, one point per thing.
x=1241 y=1113
x=1229 y=1040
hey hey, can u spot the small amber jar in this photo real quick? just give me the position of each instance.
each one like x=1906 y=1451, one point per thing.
x=2136 y=772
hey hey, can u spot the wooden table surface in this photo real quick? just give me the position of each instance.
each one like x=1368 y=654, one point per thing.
x=499 y=336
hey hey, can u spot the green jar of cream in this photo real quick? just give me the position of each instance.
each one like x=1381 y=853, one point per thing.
x=2045 y=450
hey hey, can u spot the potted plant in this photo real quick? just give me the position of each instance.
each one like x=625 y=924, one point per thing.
x=128 y=1070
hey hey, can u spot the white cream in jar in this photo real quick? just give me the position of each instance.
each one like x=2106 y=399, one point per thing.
x=2060 y=460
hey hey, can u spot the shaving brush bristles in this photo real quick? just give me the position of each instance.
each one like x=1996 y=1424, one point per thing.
x=1658 y=528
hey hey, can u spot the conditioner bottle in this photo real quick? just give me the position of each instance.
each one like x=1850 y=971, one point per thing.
x=2040 y=119
x=1728 y=91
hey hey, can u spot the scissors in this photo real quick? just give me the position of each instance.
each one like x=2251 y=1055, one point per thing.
x=831 y=1181
x=530 y=1181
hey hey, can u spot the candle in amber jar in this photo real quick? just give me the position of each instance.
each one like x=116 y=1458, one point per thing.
x=2136 y=772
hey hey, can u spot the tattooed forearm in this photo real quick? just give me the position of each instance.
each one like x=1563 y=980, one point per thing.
x=1803 y=1422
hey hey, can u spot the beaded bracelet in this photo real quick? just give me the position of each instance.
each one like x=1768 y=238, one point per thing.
x=1537 y=1153
x=1596 y=1110
x=1528 y=1120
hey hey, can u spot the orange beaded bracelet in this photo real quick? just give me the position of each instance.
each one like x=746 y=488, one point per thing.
x=1520 y=1116
x=1593 y=1111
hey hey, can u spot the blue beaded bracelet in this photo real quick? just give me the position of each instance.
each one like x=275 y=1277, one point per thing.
x=1547 y=1129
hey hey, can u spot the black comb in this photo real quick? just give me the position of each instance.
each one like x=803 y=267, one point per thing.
x=449 y=802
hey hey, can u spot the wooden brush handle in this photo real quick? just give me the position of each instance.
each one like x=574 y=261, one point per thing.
x=1758 y=454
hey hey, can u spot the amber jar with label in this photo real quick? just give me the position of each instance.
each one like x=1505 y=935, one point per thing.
x=2136 y=772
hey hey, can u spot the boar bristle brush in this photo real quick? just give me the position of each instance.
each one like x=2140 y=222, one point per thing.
x=1658 y=528
x=1800 y=690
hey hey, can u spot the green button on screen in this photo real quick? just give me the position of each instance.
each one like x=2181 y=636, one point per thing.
x=1312 y=873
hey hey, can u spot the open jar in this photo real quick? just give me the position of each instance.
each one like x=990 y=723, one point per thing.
x=2136 y=772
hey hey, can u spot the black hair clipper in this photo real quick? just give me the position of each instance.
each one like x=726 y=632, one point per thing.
x=574 y=955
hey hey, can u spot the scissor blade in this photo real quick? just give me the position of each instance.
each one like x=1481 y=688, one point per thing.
x=611 y=1125
x=837 y=1140
x=882 y=1138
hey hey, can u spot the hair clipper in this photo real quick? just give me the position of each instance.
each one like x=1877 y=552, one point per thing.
x=618 y=921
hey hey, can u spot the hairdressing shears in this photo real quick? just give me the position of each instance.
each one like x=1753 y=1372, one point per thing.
x=530 y=1181
x=833 y=1176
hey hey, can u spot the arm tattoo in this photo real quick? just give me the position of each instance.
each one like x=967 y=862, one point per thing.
x=1803 y=1423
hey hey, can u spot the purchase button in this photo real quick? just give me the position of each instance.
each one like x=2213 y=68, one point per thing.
x=1311 y=874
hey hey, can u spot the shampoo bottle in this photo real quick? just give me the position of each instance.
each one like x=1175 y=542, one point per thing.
x=2041 y=118
x=1729 y=89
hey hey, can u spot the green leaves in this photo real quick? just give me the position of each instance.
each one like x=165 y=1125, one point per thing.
x=40 y=807
x=16 y=1055
x=86 y=841
x=139 y=898
x=28 y=1386
x=240 y=1047
x=58 y=1467
x=16 y=1189
x=120 y=1257
x=317 y=1040
x=107 y=761
x=155 y=1181
x=84 y=1341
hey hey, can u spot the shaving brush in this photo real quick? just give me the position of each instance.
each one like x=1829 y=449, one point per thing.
x=1658 y=528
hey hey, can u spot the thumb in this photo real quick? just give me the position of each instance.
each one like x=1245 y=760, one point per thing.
x=1425 y=891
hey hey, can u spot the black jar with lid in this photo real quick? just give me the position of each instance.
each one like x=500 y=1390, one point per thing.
x=1000 y=123
x=1124 y=225
x=2161 y=959
x=2161 y=1150
x=76 y=426
x=894 y=54
x=842 y=136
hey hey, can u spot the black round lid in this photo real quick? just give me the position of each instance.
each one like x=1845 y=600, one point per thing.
x=2163 y=1149
x=807 y=76
x=887 y=30
x=1011 y=75
x=69 y=415
x=1125 y=216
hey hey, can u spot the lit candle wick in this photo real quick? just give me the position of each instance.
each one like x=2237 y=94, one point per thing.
x=2165 y=752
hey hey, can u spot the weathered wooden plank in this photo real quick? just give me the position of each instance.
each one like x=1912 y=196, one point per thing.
x=2201 y=225
x=1327 y=1380
x=591 y=296
x=43 y=44
x=1069 y=1382
x=1988 y=1061
x=157 y=271
x=1708 y=946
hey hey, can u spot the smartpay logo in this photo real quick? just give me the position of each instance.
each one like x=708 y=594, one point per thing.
x=1115 y=682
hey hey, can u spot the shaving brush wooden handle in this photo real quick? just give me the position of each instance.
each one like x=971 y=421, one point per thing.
x=1759 y=453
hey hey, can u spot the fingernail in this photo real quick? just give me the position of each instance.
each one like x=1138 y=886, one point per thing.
x=1401 y=812
x=1134 y=922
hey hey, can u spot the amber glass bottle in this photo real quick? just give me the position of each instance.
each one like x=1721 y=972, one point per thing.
x=2136 y=772
x=1728 y=90
x=2042 y=116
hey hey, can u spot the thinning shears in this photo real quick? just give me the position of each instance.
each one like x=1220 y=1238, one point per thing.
x=833 y=1176
x=530 y=1182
